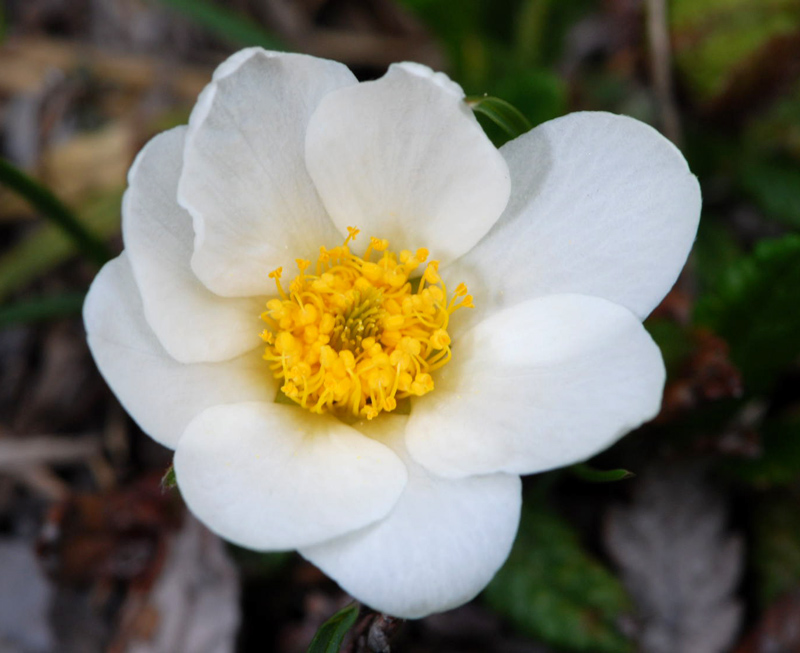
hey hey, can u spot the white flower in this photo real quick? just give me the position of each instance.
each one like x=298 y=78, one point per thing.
x=566 y=238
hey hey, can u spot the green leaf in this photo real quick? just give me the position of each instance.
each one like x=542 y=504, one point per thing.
x=592 y=475
x=54 y=210
x=778 y=128
x=539 y=95
x=531 y=27
x=779 y=461
x=776 y=547
x=775 y=186
x=552 y=589
x=714 y=251
x=41 y=309
x=43 y=249
x=715 y=40
x=227 y=24
x=331 y=634
x=3 y=24
x=501 y=113
x=757 y=310
x=169 y=481
x=674 y=341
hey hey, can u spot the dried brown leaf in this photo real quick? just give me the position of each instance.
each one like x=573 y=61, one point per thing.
x=678 y=562
x=193 y=607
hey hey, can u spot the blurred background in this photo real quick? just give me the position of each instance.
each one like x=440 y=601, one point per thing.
x=683 y=538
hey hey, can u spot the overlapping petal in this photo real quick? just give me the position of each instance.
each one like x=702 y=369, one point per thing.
x=546 y=383
x=602 y=205
x=410 y=514
x=269 y=476
x=244 y=178
x=438 y=547
x=160 y=393
x=192 y=323
x=403 y=158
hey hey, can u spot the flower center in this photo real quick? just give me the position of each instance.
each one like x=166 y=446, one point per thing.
x=357 y=336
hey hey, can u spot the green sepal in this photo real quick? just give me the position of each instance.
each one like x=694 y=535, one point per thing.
x=592 y=475
x=331 y=634
x=506 y=116
x=169 y=480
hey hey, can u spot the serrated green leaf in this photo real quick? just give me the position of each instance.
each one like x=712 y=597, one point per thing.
x=331 y=634
x=552 y=589
x=776 y=547
x=501 y=113
x=757 y=310
x=227 y=24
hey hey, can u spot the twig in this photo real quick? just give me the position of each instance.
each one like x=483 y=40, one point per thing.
x=373 y=633
x=661 y=68
x=17 y=453
x=42 y=480
x=381 y=632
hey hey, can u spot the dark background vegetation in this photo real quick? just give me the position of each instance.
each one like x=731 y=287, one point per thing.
x=698 y=553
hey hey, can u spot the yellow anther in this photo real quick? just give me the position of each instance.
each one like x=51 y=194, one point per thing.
x=393 y=322
x=352 y=232
x=353 y=337
x=327 y=323
x=431 y=274
x=306 y=314
x=423 y=384
x=379 y=244
x=276 y=274
x=440 y=339
x=411 y=346
x=372 y=271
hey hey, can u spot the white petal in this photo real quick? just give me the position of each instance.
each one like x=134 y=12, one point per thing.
x=244 y=178
x=403 y=158
x=439 y=547
x=601 y=205
x=160 y=393
x=192 y=323
x=269 y=476
x=549 y=382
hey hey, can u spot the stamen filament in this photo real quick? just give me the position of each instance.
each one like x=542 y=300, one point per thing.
x=354 y=338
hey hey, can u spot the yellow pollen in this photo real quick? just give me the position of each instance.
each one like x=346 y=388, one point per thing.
x=354 y=338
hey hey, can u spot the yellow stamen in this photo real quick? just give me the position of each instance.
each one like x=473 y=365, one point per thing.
x=354 y=338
